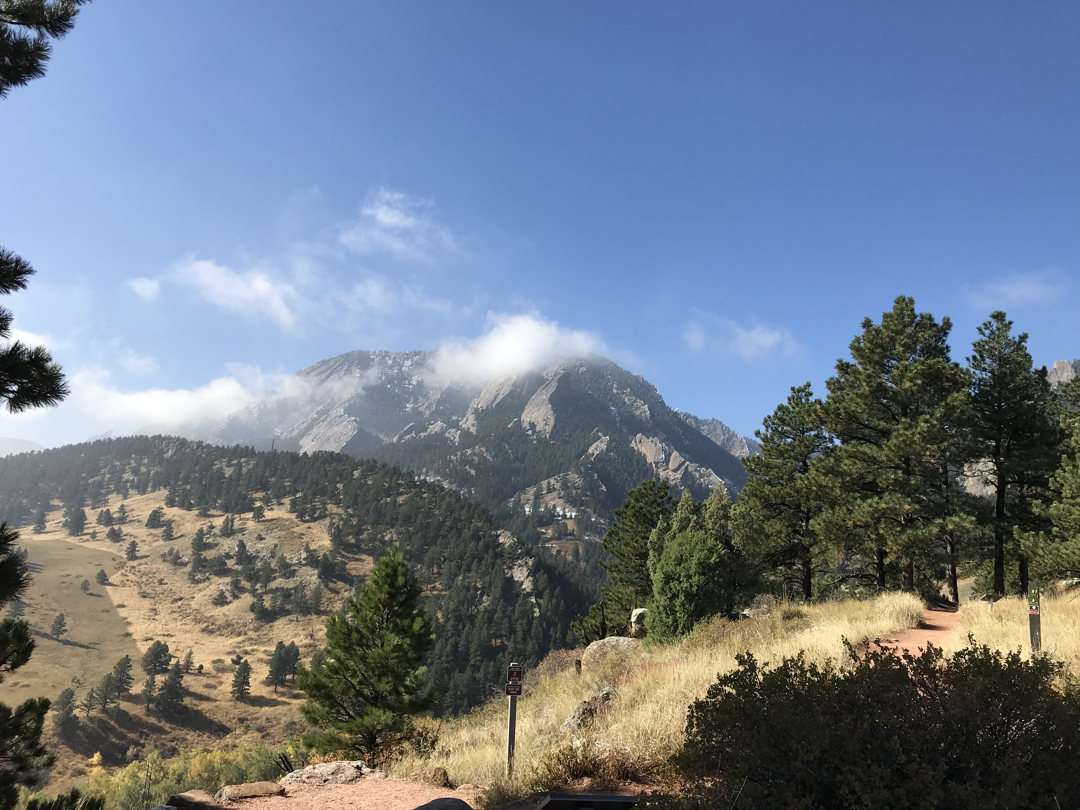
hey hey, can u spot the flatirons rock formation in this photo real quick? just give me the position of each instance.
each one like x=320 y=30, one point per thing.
x=576 y=435
x=1063 y=371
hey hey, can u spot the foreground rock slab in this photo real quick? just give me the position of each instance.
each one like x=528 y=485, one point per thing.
x=328 y=773
x=250 y=790
x=599 y=650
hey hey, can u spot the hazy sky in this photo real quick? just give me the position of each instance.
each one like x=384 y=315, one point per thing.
x=714 y=194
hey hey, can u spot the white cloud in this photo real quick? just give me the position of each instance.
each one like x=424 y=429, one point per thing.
x=392 y=222
x=513 y=344
x=32 y=338
x=94 y=394
x=136 y=363
x=373 y=295
x=1036 y=288
x=146 y=288
x=731 y=338
x=252 y=293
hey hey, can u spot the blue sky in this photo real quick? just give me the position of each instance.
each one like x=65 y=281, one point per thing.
x=714 y=194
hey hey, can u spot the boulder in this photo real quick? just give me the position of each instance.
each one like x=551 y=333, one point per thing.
x=250 y=790
x=448 y=803
x=193 y=800
x=327 y=773
x=585 y=711
x=598 y=650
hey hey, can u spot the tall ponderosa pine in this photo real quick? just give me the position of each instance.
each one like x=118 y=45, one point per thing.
x=372 y=678
x=774 y=517
x=895 y=408
x=241 y=682
x=1016 y=439
x=627 y=539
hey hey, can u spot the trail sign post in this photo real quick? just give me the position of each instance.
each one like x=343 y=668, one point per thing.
x=1034 y=619
x=514 y=675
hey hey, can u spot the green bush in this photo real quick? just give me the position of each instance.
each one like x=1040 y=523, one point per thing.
x=980 y=730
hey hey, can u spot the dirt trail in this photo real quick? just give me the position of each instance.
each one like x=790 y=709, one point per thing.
x=369 y=794
x=939 y=622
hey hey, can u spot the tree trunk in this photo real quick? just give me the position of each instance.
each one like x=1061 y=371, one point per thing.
x=909 y=575
x=879 y=563
x=950 y=572
x=999 y=540
x=1023 y=575
x=807 y=572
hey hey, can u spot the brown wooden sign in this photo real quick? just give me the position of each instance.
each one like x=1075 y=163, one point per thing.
x=513 y=690
x=515 y=673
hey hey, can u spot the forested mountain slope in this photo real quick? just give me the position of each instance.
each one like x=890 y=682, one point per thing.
x=262 y=539
x=573 y=438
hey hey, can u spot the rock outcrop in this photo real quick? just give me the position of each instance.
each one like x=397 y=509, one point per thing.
x=599 y=650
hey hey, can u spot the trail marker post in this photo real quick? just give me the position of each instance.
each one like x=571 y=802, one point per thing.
x=1034 y=619
x=514 y=675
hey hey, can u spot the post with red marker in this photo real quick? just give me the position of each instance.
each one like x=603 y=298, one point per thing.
x=514 y=675
x=1034 y=620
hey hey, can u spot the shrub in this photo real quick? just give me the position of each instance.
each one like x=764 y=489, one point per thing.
x=980 y=730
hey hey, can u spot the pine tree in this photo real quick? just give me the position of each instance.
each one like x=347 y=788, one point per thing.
x=372 y=677
x=149 y=691
x=167 y=531
x=58 y=626
x=241 y=682
x=171 y=696
x=156 y=659
x=278 y=670
x=39 y=521
x=107 y=691
x=121 y=515
x=894 y=409
x=122 y=676
x=89 y=702
x=627 y=539
x=132 y=552
x=115 y=534
x=774 y=518
x=102 y=578
x=65 y=721
x=1014 y=435
x=154 y=519
x=1055 y=551
x=189 y=661
x=26 y=53
x=104 y=518
x=74 y=520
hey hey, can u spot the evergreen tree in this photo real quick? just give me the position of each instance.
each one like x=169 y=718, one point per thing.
x=241 y=682
x=132 y=552
x=102 y=578
x=107 y=691
x=39 y=521
x=122 y=676
x=189 y=661
x=1055 y=551
x=89 y=702
x=149 y=691
x=154 y=519
x=372 y=677
x=121 y=515
x=258 y=512
x=104 y=518
x=1014 y=435
x=278 y=672
x=65 y=721
x=167 y=531
x=171 y=696
x=16 y=609
x=25 y=31
x=58 y=626
x=115 y=534
x=894 y=408
x=774 y=518
x=696 y=574
x=156 y=659
x=74 y=520
x=627 y=539
x=291 y=658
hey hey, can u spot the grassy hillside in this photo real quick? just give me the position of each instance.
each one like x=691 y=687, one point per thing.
x=644 y=725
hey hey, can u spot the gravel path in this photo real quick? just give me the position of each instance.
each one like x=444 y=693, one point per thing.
x=366 y=794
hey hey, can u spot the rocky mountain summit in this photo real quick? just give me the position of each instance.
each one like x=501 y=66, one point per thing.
x=576 y=435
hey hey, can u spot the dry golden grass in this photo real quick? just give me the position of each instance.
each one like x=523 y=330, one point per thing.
x=1006 y=627
x=646 y=721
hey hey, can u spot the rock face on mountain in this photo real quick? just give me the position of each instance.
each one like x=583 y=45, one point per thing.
x=739 y=446
x=1063 y=371
x=576 y=435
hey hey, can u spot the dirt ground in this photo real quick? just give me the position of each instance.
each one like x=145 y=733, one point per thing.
x=369 y=794
x=939 y=622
